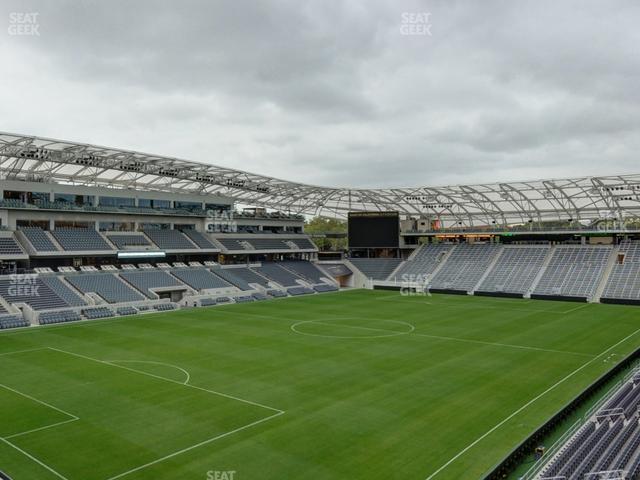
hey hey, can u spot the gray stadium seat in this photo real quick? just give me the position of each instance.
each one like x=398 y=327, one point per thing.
x=39 y=239
x=77 y=239
x=376 y=268
x=144 y=280
x=107 y=285
x=170 y=239
x=200 y=278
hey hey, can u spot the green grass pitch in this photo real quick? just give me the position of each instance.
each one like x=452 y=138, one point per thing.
x=352 y=385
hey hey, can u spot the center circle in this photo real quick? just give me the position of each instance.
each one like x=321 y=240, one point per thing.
x=367 y=329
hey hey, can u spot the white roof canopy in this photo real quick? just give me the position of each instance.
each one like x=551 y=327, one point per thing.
x=27 y=157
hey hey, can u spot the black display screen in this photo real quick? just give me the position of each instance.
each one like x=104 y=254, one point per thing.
x=374 y=230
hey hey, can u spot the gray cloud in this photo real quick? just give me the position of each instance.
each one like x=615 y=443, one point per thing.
x=331 y=92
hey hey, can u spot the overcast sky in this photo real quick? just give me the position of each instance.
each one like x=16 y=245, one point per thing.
x=362 y=94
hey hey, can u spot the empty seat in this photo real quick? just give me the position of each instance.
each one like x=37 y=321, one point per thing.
x=31 y=290
x=12 y=321
x=39 y=239
x=464 y=267
x=107 y=285
x=423 y=262
x=325 y=287
x=60 y=316
x=294 y=291
x=304 y=243
x=268 y=244
x=231 y=243
x=574 y=271
x=97 y=312
x=199 y=239
x=515 y=270
x=8 y=247
x=63 y=291
x=145 y=280
x=126 y=311
x=276 y=293
x=624 y=279
x=170 y=239
x=244 y=299
x=376 y=268
x=228 y=275
x=306 y=270
x=129 y=240
x=200 y=278
x=278 y=274
x=163 y=307
x=79 y=239
x=249 y=276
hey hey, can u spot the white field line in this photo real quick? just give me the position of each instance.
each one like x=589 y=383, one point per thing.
x=23 y=351
x=39 y=401
x=501 y=307
x=395 y=298
x=530 y=402
x=41 y=428
x=26 y=454
x=389 y=333
x=453 y=339
x=205 y=442
x=412 y=327
x=509 y=345
x=78 y=324
x=149 y=362
x=576 y=308
x=213 y=392
x=139 y=316
x=72 y=418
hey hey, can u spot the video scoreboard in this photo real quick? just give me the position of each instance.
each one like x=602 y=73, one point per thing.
x=374 y=229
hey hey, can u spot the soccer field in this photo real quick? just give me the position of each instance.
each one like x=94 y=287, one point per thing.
x=352 y=385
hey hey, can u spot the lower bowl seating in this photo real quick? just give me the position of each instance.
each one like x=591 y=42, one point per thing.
x=61 y=316
x=126 y=311
x=244 y=299
x=325 y=287
x=276 y=293
x=163 y=307
x=97 y=312
x=12 y=321
x=299 y=291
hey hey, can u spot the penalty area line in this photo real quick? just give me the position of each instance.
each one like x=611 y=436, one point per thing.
x=192 y=447
x=28 y=455
x=188 y=385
